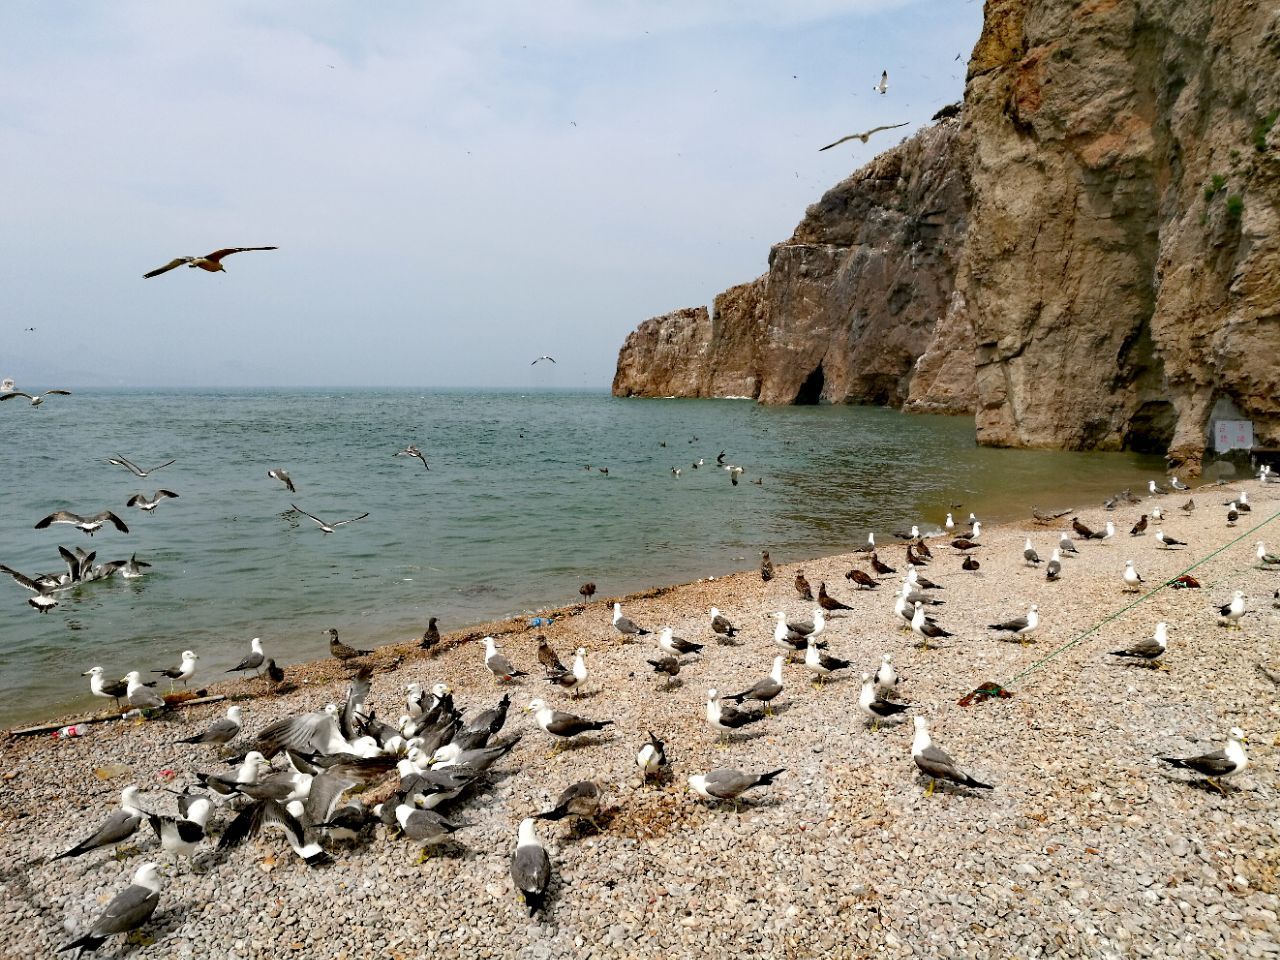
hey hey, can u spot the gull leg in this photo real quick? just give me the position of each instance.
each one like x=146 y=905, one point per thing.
x=932 y=783
x=875 y=725
x=424 y=855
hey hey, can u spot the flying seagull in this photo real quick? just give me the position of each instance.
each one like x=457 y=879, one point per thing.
x=254 y=659
x=936 y=764
x=42 y=599
x=116 y=829
x=530 y=867
x=729 y=784
x=864 y=136
x=412 y=451
x=36 y=399
x=1226 y=762
x=327 y=527
x=883 y=86
x=544 y=357
x=122 y=461
x=142 y=503
x=210 y=261
x=89 y=525
x=128 y=910
x=278 y=473
x=1149 y=651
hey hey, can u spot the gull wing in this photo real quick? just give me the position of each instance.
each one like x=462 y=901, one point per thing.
x=352 y=520
x=305 y=514
x=175 y=262
x=227 y=251
x=15 y=393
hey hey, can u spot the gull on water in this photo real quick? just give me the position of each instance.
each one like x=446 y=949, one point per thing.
x=128 y=910
x=1148 y=651
x=936 y=763
x=212 y=262
x=327 y=527
x=1216 y=766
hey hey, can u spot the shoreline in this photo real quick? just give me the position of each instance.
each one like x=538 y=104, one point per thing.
x=1085 y=842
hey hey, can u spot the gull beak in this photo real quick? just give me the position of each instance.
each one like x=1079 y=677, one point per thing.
x=86 y=673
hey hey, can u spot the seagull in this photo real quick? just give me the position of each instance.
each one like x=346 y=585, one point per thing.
x=1215 y=766
x=141 y=502
x=827 y=602
x=1140 y=527
x=211 y=262
x=1022 y=626
x=865 y=135
x=936 y=763
x=1029 y=553
x=1233 y=611
x=1189 y=506
x=726 y=784
x=820 y=664
x=862 y=580
x=279 y=473
x=530 y=867
x=1168 y=542
x=1065 y=545
x=181 y=835
x=254 y=659
x=721 y=625
x=544 y=357
x=574 y=678
x=727 y=719
x=1054 y=570
x=869 y=546
x=120 y=460
x=969 y=563
x=1083 y=532
x=670 y=665
x=1155 y=488
x=341 y=651
x=581 y=799
x=949 y=525
x=497 y=664
x=791 y=635
x=924 y=628
x=677 y=646
x=802 y=586
x=139 y=695
x=883 y=86
x=131 y=569
x=587 y=591
x=914 y=534
x=626 y=626
x=675 y=472
x=652 y=758
x=128 y=910
x=766 y=566
x=563 y=726
x=1148 y=651
x=1266 y=559
x=89 y=525
x=183 y=671
x=879 y=566
x=874 y=706
x=425 y=826
x=548 y=658
x=114 y=689
x=763 y=691
x=1131 y=577
x=962 y=544
x=42 y=599
x=327 y=527
x=116 y=829
x=1242 y=504
x=36 y=399
x=221 y=731
x=1232 y=514
x=411 y=451
x=1177 y=484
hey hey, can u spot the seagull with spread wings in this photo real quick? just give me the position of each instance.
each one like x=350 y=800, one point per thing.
x=327 y=527
x=544 y=357
x=210 y=261
x=864 y=137
x=36 y=399
x=120 y=460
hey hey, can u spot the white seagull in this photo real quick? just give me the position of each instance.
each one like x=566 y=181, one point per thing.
x=865 y=135
x=1233 y=611
x=883 y=86
x=122 y=461
x=36 y=398
x=544 y=357
x=327 y=527
x=1132 y=578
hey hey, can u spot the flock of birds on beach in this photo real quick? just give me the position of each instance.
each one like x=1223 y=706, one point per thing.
x=424 y=766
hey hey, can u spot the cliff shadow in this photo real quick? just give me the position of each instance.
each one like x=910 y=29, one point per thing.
x=810 y=391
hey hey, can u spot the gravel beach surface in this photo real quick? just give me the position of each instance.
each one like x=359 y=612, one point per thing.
x=1086 y=846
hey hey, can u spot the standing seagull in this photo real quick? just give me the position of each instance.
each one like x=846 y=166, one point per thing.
x=765 y=691
x=865 y=135
x=116 y=829
x=1029 y=554
x=802 y=586
x=279 y=473
x=883 y=86
x=497 y=664
x=729 y=784
x=626 y=626
x=146 y=506
x=548 y=658
x=253 y=661
x=766 y=566
x=341 y=651
x=721 y=625
x=652 y=758
x=1168 y=542
x=1148 y=651
x=1226 y=762
x=221 y=731
x=1054 y=570
x=89 y=525
x=574 y=678
x=924 y=628
x=211 y=262
x=327 y=527
x=128 y=910
x=1232 y=514
x=820 y=664
x=1233 y=611
x=412 y=451
x=677 y=646
x=530 y=867
x=181 y=835
x=936 y=764
x=581 y=799
x=37 y=398
x=563 y=726
x=727 y=719
x=874 y=706
x=140 y=695
x=122 y=461
x=183 y=671
x=1132 y=579
x=1023 y=627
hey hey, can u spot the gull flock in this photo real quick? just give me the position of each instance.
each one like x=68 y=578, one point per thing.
x=328 y=781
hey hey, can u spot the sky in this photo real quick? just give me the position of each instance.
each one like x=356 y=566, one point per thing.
x=454 y=189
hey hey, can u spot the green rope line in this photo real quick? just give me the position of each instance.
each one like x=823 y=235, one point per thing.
x=1142 y=599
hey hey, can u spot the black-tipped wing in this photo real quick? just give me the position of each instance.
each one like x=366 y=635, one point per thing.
x=175 y=262
x=1214 y=764
x=130 y=909
x=326 y=791
x=339 y=523
x=228 y=251
x=568 y=725
x=1012 y=626
x=305 y=514
x=531 y=869
x=117 y=828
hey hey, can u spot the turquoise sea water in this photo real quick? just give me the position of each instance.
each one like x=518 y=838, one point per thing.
x=507 y=520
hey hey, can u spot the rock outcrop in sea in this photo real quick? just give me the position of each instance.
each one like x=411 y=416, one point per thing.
x=1087 y=256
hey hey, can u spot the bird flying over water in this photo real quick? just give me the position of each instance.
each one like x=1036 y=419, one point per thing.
x=89 y=525
x=412 y=451
x=142 y=503
x=211 y=262
x=864 y=136
x=278 y=473
x=121 y=461
x=37 y=398
x=327 y=527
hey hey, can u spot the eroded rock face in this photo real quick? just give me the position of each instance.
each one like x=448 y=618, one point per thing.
x=1088 y=258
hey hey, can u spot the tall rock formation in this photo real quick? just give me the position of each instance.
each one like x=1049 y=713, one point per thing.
x=1088 y=259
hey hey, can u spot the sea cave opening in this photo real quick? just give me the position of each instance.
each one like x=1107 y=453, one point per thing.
x=810 y=391
x=1151 y=427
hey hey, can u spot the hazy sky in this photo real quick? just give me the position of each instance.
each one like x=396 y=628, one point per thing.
x=454 y=188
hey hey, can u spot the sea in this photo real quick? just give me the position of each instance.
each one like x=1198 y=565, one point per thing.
x=513 y=515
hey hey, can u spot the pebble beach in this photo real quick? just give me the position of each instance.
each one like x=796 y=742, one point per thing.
x=1086 y=846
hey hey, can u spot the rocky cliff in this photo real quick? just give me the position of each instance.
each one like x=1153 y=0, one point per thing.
x=1088 y=258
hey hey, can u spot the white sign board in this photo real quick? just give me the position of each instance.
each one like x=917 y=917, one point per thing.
x=1232 y=435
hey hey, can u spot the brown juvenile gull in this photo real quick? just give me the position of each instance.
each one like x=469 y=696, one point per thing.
x=587 y=590
x=802 y=586
x=340 y=650
x=279 y=473
x=548 y=658
x=123 y=461
x=142 y=503
x=89 y=525
x=37 y=398
x=766 y=566
x=862 y=579
x=668 y=664
x=829 y=603
x=864 y=136
x=581 y=799
x=721 y=624
x=327 y=527
x=430 y=636
x=128 y=910
x=211 y=262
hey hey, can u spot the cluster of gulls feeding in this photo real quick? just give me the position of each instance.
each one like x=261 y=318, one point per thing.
x=732 y=469
x=347 y=776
